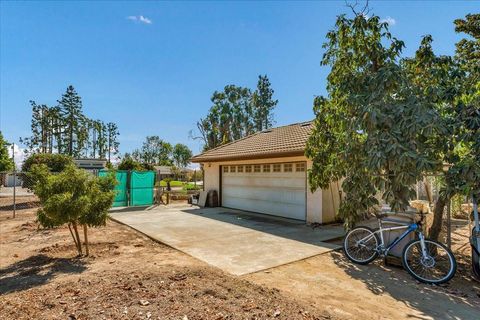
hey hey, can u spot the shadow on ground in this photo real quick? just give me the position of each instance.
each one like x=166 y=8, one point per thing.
x=286 y=228
x=458 y=299
x=36 y=271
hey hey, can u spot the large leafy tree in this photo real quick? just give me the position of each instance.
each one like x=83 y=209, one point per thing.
x=237 y=112
x=154 y=151
x=181 y=155
x=6 y=162
x=373 y=131
x=452 y=84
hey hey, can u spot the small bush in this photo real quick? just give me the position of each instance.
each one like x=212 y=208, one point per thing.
x=54 y=162
x=73 y=197
x=191 y=186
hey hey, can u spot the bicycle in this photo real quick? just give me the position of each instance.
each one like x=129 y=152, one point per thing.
x=428 y=261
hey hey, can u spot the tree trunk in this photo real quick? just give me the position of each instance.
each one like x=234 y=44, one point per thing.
x=74 y=224
x=73 y=236
x=86 y=239
x=436 y=228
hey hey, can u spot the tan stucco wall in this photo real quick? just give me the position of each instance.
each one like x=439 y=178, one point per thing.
x=319 y=207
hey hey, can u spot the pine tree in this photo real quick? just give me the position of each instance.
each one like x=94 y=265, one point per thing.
x=71 y=110
x=263 y=104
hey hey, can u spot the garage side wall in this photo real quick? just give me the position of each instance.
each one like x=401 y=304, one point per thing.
x=314 y=201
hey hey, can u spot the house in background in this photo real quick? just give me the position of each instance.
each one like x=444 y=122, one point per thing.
x=91 y=164
x=163 y=172
x=266 y=172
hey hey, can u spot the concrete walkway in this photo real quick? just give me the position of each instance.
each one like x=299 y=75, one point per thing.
x=234 y=241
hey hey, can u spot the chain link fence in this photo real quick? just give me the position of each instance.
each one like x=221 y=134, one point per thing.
x=16 y=192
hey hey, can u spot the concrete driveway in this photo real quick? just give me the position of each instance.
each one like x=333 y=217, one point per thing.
x=235 y=241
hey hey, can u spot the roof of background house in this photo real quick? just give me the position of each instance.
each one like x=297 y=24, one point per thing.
x=163 y=169
x=276 y=142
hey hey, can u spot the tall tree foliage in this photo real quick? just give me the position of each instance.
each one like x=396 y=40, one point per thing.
x=373 y=130
x=65 y=129
x=112 y=140
x=237 y=112
x=154 y=151
x=6 y=162
x=74 y=121
x=181 y=155
x=264 y=104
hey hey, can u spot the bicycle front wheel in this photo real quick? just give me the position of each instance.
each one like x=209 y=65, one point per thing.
x=437 y=266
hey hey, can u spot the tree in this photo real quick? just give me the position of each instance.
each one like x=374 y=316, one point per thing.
x=54 y=162
x=128 y=163
x=65 y=129
x=112 y=140
x=71 y=110
x=263 y=104
x=154 y=151
x=6 y=162
x=40 y=140
x=73 y=197
x=373 y=130
x=181 y=155
x=236 y=113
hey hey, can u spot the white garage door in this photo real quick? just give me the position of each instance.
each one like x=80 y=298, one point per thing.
x=277 y=189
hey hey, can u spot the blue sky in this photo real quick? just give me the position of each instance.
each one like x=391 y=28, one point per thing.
x=152 y=67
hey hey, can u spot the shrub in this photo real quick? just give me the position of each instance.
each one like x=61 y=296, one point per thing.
x=73 y=197
x=128 y=163
x=54 y=162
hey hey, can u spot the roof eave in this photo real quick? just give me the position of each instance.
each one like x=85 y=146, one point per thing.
x=278 y=154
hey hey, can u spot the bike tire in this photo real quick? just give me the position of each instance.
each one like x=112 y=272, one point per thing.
x=451 y=257
x=347 y=250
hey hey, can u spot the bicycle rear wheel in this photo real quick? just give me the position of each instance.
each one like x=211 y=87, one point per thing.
x=360 y=245
x=437 y=267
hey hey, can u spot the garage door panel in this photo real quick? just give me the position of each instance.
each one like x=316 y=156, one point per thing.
x=275 y=193
x=296 y=197
x=286 y=210
x=262 y=181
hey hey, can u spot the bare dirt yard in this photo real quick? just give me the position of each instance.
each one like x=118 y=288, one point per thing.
x=129 y=276
x=378 y=291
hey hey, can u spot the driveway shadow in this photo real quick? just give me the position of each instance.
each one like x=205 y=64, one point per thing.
x=36 y=271
x=282 y=227
x=456 y=300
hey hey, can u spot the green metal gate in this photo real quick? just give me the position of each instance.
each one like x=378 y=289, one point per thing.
x=134 y=188
x=141 y=188
x=121 y=197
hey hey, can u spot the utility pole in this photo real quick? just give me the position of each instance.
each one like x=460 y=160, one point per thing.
x=14 y=181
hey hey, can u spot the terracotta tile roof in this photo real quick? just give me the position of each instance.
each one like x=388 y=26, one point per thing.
x=276 y=142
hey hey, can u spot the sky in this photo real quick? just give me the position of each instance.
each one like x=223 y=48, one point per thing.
x=151 y=67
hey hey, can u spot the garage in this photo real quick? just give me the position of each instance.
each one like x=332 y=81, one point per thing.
x=266 y=172
x=272 y=188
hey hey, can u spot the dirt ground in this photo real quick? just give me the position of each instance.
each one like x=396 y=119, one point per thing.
x=129 y=276
x=378 y=291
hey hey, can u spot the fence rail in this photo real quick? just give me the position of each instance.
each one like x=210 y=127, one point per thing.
x=16 y=192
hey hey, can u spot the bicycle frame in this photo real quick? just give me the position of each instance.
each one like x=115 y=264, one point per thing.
x=409 y=229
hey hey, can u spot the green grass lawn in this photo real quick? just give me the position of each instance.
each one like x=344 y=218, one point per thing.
x=175 y=183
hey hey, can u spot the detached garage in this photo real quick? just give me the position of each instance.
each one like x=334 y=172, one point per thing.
x=266 y=172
